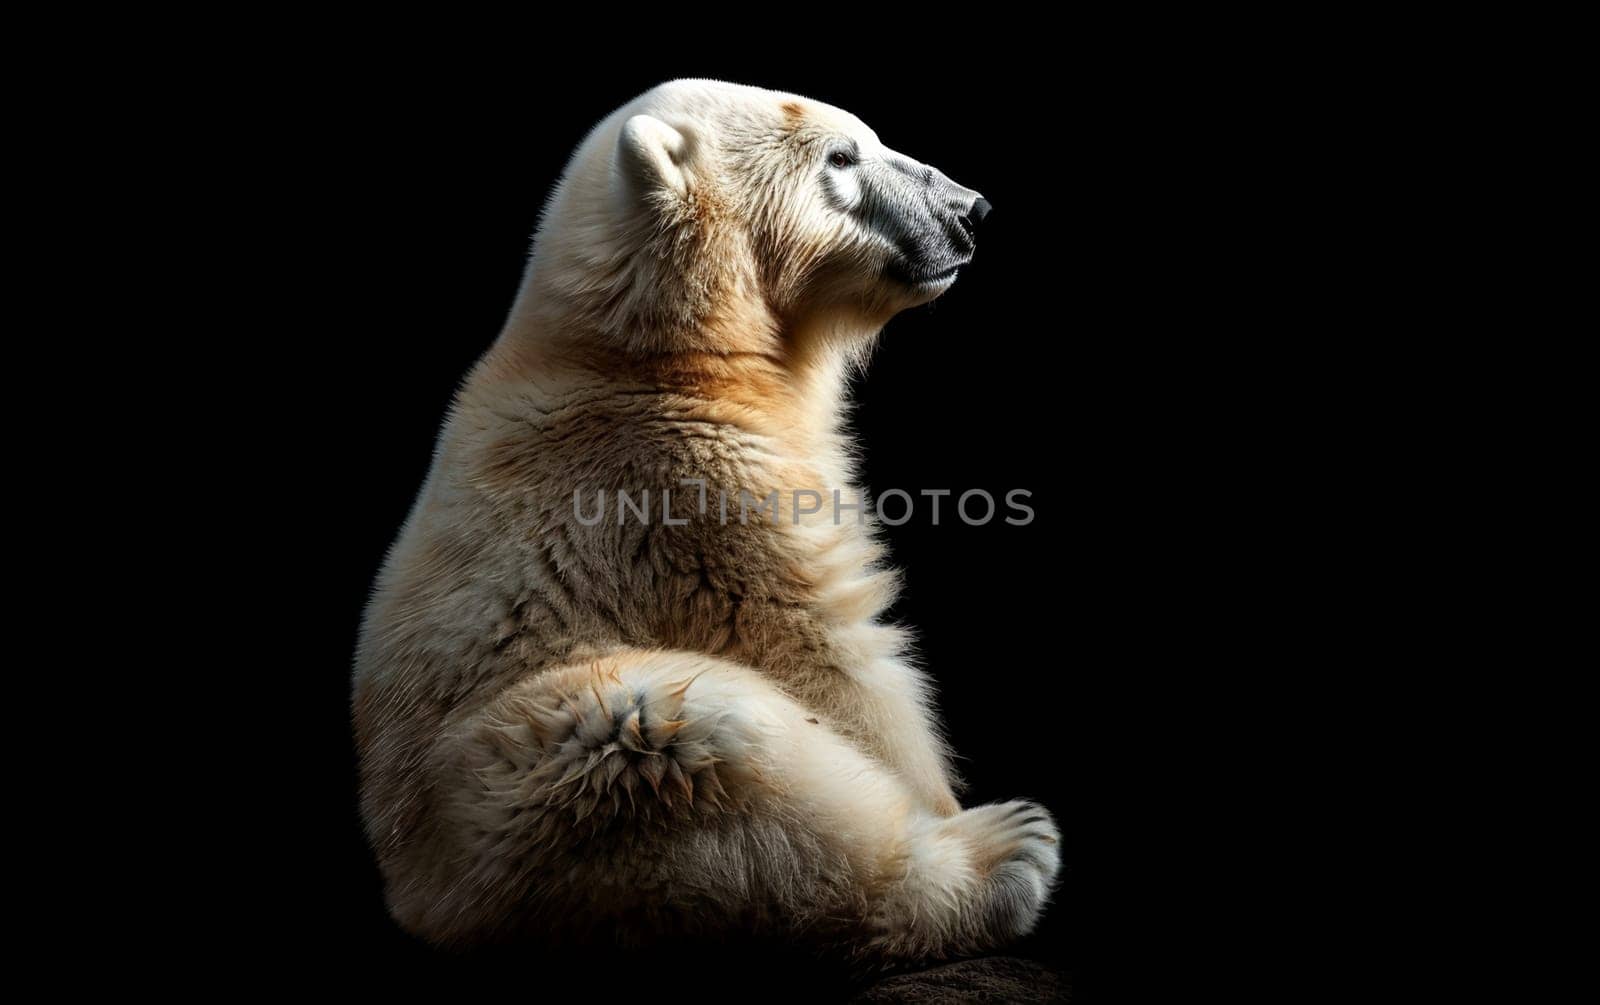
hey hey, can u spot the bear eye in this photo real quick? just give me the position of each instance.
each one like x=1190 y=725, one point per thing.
x=841 y=159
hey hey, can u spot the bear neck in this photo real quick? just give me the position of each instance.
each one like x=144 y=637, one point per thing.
x=680 y=307
x=792 y=384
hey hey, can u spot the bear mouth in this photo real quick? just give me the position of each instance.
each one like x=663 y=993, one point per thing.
x=924 y=276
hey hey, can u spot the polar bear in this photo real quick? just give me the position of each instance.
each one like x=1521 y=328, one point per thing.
x=668 y=719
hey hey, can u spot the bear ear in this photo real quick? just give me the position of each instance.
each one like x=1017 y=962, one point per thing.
x=650 y=157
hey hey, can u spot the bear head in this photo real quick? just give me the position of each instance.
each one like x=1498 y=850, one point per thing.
x=712 y=217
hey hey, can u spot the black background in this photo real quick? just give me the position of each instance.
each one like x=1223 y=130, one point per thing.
x=1104 y=351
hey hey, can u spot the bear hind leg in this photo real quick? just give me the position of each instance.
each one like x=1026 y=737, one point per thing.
x=699 y=780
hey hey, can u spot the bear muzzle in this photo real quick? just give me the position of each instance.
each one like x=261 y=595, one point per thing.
x=933 y=248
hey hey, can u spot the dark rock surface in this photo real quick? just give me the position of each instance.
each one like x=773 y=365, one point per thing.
x=990 y=979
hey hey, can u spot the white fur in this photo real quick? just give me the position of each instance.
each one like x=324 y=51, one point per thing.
x=568 y=729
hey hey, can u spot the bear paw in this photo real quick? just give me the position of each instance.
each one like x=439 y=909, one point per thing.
x=1017 y=854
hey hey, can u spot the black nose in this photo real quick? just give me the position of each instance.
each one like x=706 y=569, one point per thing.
x=979 y=210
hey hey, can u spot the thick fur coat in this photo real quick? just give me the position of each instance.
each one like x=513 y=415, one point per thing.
x=680 y=723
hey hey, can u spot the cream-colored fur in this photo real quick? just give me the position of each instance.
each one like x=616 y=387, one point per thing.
x=640 y=726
